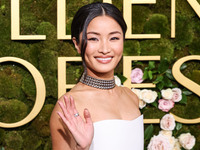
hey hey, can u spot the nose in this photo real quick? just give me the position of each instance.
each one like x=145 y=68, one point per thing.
x=104 y=47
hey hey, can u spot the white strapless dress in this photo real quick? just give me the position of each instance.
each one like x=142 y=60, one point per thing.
x=118 y=134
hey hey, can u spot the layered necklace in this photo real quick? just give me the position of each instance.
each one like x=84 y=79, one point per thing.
x=97 y=83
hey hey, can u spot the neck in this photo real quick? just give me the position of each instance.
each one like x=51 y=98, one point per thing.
x=97 y=82
x=102 y=76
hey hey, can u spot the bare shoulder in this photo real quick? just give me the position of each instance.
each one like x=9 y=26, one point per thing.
x=61 y=136
x=131 y=94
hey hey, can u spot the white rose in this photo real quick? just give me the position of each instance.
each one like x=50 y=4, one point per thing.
x=168 y=134
x=187 y=140
x=159 y=142
x=177 y=145
x=136 y=91
x=177 y=94
x=167 y=122
x=148 y=96
x=142 y=104
x=117 y=81
x=167 y=94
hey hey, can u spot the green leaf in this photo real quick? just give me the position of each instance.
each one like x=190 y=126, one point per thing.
x=169 y=74
x=186 y=92
x=167 y=82
x=163 y=66
x=150 y=75
x=155 y=104
x=122 y=78
x=178 y=126
x=145 y=75
x=160 y=85
x=151 y=65
x=184 y=99
x=148 y=133
x=183 y=66
x=158 y=79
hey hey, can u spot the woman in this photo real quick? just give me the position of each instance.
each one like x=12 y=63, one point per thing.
x=111 y=118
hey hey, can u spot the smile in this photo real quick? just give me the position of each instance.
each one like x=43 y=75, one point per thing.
x=104 y=60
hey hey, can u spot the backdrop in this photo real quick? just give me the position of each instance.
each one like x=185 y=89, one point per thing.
x=39 y=17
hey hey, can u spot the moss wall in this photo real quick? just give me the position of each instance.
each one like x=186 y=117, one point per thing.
x=17 y=92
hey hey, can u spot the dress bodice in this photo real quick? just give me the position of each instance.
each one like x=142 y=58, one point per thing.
x=118 y=134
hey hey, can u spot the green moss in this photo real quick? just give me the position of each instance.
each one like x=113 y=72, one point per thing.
x=67 y=49
x=51 y=85
x=195 y=76
x=131 y=48
x=184 y=32
x=192 y=110
x=31 y=140
x=28 y=86
x=12 y=111
x=51 y=42
x=10 y=83
x=195 y=130
x=152 y=113
x=179 y=110
x=13 y=140
x=48 y=62
x=2 y=136
x=161 y=47
x=138 y=22
x=184 y=8
x=73 y=72
x=157 y=24
x=41 y=123
x=194 y=47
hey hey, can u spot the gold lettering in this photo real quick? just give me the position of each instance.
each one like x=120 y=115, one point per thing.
x=62 y=86
x=61 y=20
x=127 y=8
x=107 y=1
x=173 y=18
x=40 y=90
x=195 y=5
x=194 y=87
x=15 y=24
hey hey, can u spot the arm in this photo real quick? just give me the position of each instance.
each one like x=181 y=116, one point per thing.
x=70 y=132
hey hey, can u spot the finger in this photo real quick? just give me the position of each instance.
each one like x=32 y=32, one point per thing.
x=66 y=122
x=64 y=110
x=67 y=102
x=87 y=116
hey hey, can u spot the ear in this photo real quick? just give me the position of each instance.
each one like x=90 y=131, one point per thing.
x=77 y=46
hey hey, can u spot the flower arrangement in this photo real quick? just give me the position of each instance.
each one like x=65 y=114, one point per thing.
x=163 y=97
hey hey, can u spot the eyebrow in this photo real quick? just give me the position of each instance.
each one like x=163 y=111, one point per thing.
x=114 y=32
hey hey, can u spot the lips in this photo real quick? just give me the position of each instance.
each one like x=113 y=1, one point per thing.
x=104 y=60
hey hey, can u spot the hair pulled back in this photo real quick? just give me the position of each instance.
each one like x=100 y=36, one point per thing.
x=85 y=15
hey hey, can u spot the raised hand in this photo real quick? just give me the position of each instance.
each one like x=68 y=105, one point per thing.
x=82 y=130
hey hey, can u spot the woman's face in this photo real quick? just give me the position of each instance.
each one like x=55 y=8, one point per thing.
x=104 y=45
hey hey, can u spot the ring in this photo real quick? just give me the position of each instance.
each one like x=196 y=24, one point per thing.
x=76 y=115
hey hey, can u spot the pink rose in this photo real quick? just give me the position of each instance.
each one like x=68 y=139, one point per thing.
x=159 y=142
x=165 y=105
x=136 y=75
x=177 y=94
x=167 y=122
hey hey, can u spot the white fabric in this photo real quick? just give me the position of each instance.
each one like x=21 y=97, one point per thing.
x=118 y=135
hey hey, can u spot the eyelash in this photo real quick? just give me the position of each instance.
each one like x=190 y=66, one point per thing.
x=114 y=38
x=92 y=39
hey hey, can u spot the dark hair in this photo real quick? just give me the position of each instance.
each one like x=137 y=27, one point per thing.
x=85 y=15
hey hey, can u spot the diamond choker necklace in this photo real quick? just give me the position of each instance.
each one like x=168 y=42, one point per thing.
x=97 y=83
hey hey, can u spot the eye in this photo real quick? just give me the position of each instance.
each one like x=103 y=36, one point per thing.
x=93 y=39
x=114 y=38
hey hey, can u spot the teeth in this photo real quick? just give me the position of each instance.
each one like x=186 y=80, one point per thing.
x=109 y=58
